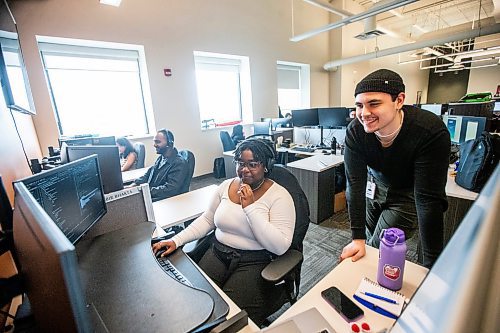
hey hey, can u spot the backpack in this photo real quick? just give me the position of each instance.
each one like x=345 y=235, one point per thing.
x=478 y=159
x=219 y=168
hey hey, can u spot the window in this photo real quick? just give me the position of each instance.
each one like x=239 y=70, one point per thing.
x=98 y=90
x=16 y=73
x=223 y=85
x=293 y=86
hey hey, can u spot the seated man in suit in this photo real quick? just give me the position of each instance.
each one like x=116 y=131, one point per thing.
x=170 y=170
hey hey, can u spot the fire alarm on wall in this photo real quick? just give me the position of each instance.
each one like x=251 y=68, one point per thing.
x=167 y=71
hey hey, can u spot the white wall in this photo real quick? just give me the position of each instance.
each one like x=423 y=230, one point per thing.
x=487 y=78
x=170 y=31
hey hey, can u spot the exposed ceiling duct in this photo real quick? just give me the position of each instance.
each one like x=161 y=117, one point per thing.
x=473 y=33
x=376 y=9
x=371 y=30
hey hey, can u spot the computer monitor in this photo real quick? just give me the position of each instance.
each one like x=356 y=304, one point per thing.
x=90 y=140
x=261 y=127
x=307 y=117
x=434 y=108
x=460 y=293
x=463 y=128
x=109 y=163
x=333 y=117
x=71 y=195
x=104 y=141
x=281 y=123
x=48 y=265
x=75 y=141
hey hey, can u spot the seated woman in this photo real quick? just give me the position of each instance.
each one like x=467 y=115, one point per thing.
x=128 y=156
x=238 y=134
x=254 y=219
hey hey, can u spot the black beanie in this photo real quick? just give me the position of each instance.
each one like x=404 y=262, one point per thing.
x=382 y=80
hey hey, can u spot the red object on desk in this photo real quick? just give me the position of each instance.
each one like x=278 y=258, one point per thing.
x=365 y=328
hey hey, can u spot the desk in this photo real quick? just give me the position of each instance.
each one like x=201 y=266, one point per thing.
x=128 y=291
x=347 y=276
x=459 y=202
x=316 y=176
x=183 y=207
x=130 y=176
x=231 y=169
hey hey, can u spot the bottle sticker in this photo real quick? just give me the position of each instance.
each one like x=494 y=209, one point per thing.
x=392 y=272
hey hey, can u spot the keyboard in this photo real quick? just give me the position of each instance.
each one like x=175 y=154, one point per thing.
x=179 y=266
x=170 y=269
x=304 y=149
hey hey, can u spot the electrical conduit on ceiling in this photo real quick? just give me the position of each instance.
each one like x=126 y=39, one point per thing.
x=477 y=32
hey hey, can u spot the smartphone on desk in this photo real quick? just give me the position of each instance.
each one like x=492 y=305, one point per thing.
x=342 y=304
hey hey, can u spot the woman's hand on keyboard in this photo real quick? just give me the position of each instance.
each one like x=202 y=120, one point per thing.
x=164 y=248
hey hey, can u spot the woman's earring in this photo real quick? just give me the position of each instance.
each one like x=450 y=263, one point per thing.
x=265 y=170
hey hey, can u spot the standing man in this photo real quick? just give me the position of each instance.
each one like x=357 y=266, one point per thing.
x=168 y=174
x=396 y=161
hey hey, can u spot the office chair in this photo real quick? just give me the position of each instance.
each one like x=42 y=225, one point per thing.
x=285 y=268
x=227 y=142
x=264 y=136
x=189 y=157
x=140 y=150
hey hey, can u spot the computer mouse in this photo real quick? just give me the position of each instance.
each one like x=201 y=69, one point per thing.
x=160 y=252
x=324 y=151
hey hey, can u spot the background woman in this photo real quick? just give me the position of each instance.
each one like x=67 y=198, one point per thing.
x=128 y=156
x=254 y=219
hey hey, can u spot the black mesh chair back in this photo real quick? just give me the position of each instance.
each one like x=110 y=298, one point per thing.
x=189 y=157
x=285 y=178
x=227 y=142
x=140 y=150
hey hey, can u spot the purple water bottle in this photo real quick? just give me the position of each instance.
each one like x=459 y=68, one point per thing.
x=391 y=261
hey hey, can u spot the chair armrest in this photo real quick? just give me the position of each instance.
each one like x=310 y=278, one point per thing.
x=281 y=266
x=197 y=248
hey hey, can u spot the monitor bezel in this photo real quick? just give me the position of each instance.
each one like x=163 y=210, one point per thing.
x=64 y=287
x=70 y=165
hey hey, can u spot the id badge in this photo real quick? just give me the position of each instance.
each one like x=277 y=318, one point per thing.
x=370 y=189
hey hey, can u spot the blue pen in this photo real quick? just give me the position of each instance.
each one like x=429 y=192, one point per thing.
x=381 y=298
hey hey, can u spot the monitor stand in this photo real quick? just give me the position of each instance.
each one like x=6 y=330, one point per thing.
x=321 y=144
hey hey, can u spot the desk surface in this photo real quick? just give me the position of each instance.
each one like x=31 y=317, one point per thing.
x=457 y=191
x=347 y=276
x=317 y=162
x=183 y=207
x=130 y=176
x=128 y=291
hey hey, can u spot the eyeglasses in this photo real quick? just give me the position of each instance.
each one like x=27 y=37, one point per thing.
x=250 y=165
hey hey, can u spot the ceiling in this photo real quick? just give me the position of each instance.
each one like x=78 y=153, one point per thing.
x=438 y=34
x=425 y=16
